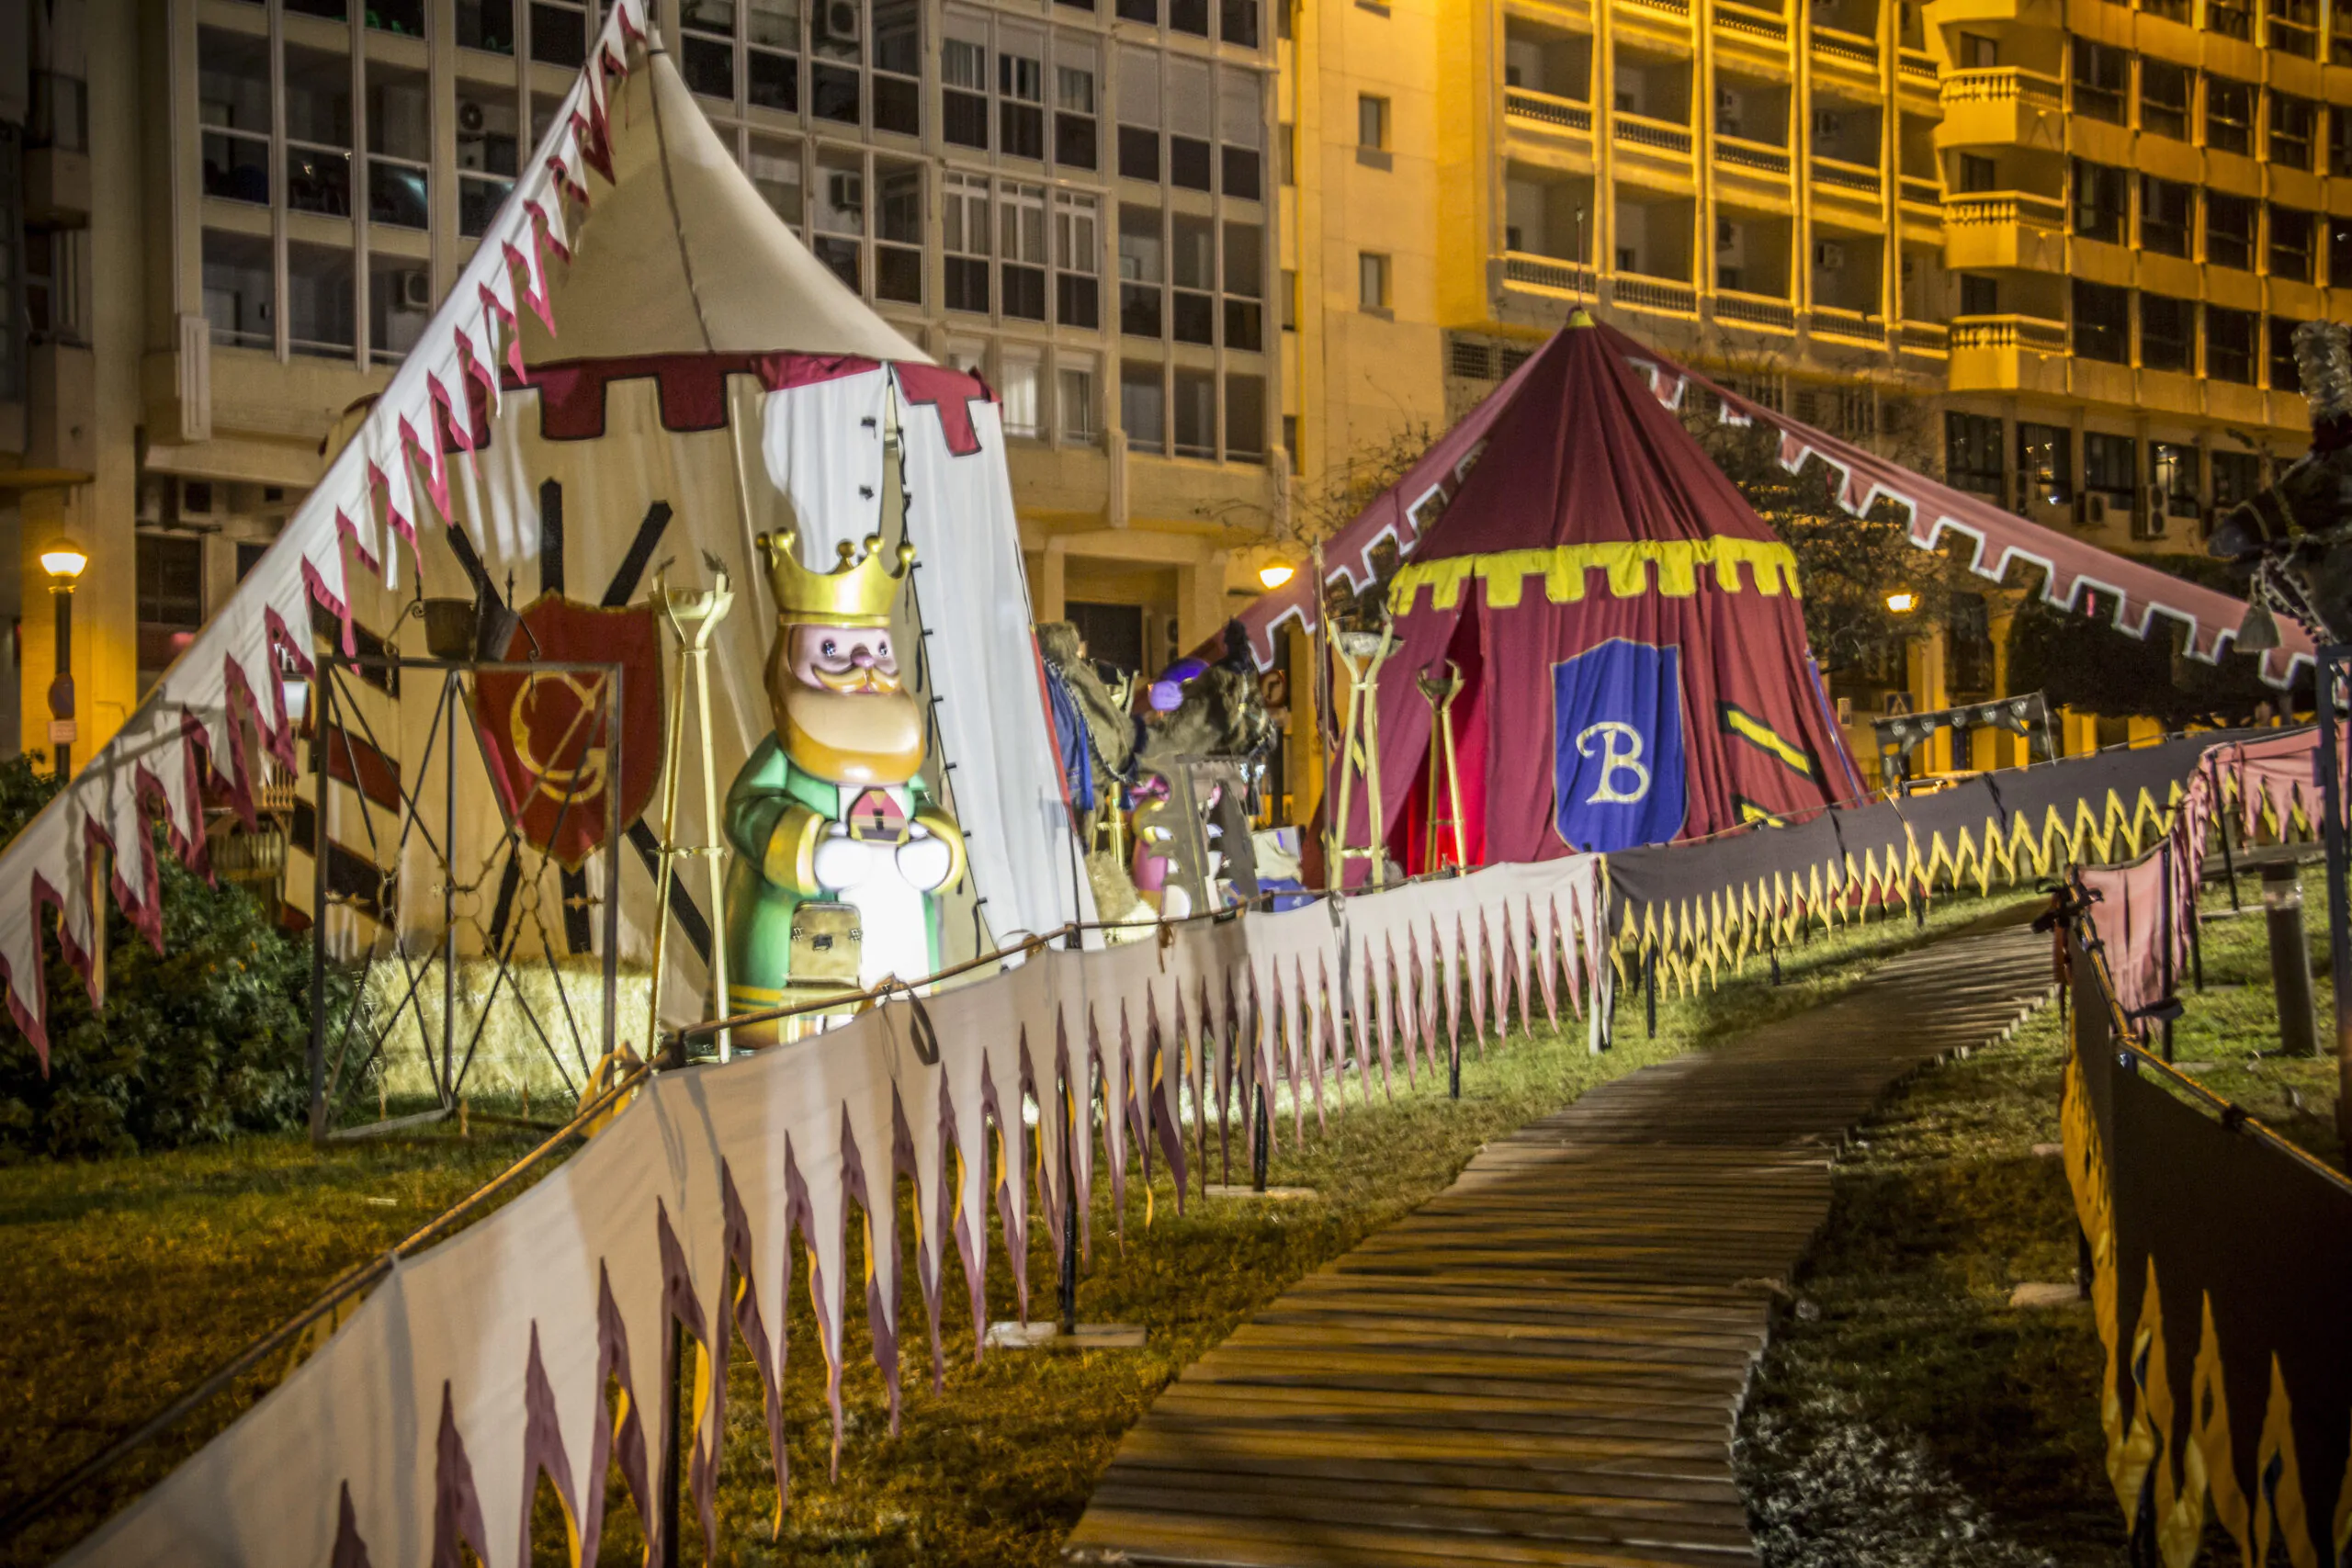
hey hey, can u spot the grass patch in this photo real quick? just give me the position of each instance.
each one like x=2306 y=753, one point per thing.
x=157 y=1268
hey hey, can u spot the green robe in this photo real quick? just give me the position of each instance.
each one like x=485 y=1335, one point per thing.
x=759 y=911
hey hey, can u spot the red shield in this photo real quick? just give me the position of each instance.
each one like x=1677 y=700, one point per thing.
x=553 y=747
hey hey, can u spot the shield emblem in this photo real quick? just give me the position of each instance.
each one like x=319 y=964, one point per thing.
x=551 y=739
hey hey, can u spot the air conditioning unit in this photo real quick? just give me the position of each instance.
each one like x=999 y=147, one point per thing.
x=1727 y=237
x=845 y=191
x=842 y=19
x=1828 y=124
x=195 y=498
x=2147 y=519
x=1726 y=101
x=2090 y=510
x=1829 y=256
x=413 y=289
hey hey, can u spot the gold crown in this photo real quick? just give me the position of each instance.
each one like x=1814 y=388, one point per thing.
x=858 y=591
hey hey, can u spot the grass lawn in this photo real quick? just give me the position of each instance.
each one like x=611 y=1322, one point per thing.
x=158 y=1267
x=1906 y=1416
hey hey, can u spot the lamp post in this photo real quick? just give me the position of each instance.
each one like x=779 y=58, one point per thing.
x=64 y=561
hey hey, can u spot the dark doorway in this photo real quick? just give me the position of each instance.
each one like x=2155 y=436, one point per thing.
x=1114 y=633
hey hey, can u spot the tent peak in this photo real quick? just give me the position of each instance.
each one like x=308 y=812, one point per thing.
x=1580 y=317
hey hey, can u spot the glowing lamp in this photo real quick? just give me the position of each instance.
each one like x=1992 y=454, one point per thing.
x=1273 y=574
x=1903 y=602
x=64 y=560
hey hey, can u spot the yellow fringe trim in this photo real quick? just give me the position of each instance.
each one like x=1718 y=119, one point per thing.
x=1771 y=565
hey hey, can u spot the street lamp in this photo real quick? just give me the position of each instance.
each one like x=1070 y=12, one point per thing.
x=64 y=561
x=1903 y=602
x=1273 y=574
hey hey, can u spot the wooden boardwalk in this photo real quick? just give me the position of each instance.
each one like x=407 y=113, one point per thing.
x=1545 y=1364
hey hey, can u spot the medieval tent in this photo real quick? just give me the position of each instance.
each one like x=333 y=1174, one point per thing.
x=639 y=370
x=1632 y=648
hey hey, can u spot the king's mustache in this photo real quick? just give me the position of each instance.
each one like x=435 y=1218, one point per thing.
x=857 y=680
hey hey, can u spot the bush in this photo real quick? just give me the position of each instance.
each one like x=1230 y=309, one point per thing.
x=199 y=1042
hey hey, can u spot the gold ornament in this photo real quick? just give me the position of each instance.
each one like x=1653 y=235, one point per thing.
x=859 y=592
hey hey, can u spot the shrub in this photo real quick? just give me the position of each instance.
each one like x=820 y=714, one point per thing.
x=199 y=1042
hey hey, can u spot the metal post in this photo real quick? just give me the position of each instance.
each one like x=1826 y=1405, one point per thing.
x=714 y=859
x=1069 y=1213
x=448 y=892
x=613 y=762
x=1260 y=1128
x=1649 y=985
x=2165 y=932
x=63 y=598
x=322 y=715
x=2332 y=663
x=2290 y=959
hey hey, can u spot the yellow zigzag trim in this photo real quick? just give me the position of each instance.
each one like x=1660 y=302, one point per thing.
x=1773 y=564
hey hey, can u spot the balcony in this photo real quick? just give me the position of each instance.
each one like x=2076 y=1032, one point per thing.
x=1755 y=310
x=2008 y=354
x=1544 y=109
x=1922 y=191
x=1929 y=339
x=1551 y=274
x=1835 y=321
x=2006 y=106
x=1662 y=295
x=1849 y=55
x=1747 y=20
x=1740 y=153
x=1664 y=136
x=1916 y=68
x=2005 y=229
x=1841 y=175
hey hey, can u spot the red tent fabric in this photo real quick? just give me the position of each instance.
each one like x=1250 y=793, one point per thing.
x=1629 y=631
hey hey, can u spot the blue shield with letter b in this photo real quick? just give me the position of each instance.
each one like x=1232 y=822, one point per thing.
x=1619 y=739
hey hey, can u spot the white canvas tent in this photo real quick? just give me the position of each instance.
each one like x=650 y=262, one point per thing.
x=639 y=365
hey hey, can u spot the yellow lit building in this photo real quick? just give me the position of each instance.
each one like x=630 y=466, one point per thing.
x=2054 y=247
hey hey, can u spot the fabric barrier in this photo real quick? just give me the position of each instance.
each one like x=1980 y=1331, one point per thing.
x=2220 y=1264
x=424 y=1424
x=1701 y=908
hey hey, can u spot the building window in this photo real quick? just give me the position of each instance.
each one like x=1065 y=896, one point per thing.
x=400 y=148
x=1143 y=406
x=2230 y=20
x=1018 y=373
x=2291 y=243
x=774 y=171
x=232 y=110
x=2339 y=119
x=1973 y=453
x=897 y=66
x=2229 y=231
x=2046 y=463
x=169 y=570
x=964 y=237
x=1189 y=16
x=2167 y=333
x=1142 y=271
x=2292 y=27
x=1078 y=259
x=400 y=302
x=1979 y=295
x=1241 y=132
x=1196 y=410
x=1074 y=383
x=707 y=30
x=2101 y=72
x=963 y=92
x=2237 y=475
x=1021 y=104
x=1236 y=23
x=486 y=25
x=2229 y=345
x=1978 y=173
x=1290 y=300
x=2293 y=124
x=1245 y=418
x=2229 y=115
x=1074 y=120
x=488 y=156
x=559 y=33
x=1286 y=150
x=2102 y=322
x=1138 y=115
x=321 y=318
x=2164 y=98
x=240 y=290
x=2112 y=468
x=1969 y=639
x=2101 y=196
x=318 y=132
x=1245 y=288
x=1371 y=123
x=1192 y=128
x=1144 y=11
x=2284 y=374
x=840 y=228
x=2167 y=216
x=1371 y=281
x=2339 y=251
x=1192 y=271
x=1021 y=250
x=897 y=235
x=2173 y=478
x=772 y=30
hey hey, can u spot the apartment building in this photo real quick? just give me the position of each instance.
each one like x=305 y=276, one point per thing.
x=1070 y=195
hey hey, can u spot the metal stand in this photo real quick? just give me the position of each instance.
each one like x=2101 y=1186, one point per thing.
x=692 y=616
x=1362 y=654
x=366 y=880
x=1441 y=691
